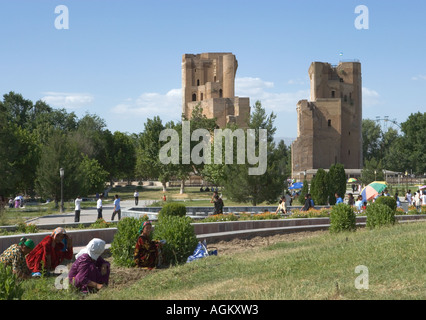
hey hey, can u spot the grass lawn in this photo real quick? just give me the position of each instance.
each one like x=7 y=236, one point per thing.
x=318 y=267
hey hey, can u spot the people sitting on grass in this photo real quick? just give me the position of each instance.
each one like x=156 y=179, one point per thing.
x=147 y=252
x=90 y=272
x=14 y=256
x=50 y=252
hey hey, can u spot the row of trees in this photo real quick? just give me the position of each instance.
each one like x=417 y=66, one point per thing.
x=37 y=140
x=396 y=151
x=235 y=179
x=325 y=185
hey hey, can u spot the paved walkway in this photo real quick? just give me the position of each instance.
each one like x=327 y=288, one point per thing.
x=87 y=214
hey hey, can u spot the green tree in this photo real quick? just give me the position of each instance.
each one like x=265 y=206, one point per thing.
x=148 y=164
x=8 y=154
x=239 y=185
x=94 y=176
x=198 y=121
x=319 y=187
x=303 y=192
x=371 y=139
x=412 y=144
x=372 y=171
x=59 y=152
x=336 y=182
x=17 y=108
x=27 y=159
x=122 y=157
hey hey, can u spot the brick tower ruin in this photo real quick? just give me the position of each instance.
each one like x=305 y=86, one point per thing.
x=329 y=125
x=208 y=80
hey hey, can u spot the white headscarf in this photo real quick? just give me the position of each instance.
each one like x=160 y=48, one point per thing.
x=94 y=249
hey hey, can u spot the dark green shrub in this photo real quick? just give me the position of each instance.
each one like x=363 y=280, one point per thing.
x=379 y=215
x=123 y=245
x=336 y=177
x=305 y=190
x=342 y=218
x=10 y=285
x=389 y=201
x=172 y=209
x=179 y=235
x=319 y=187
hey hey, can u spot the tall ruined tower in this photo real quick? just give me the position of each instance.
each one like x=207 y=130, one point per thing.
x=208 y=80
x=329 y=125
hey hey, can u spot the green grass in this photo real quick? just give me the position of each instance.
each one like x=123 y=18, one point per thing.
x=318 y=267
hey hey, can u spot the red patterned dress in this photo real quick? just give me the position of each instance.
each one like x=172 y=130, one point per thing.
x=36 y=259
x=146 y=253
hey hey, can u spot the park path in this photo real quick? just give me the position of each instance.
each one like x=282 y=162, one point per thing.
x=87 y=214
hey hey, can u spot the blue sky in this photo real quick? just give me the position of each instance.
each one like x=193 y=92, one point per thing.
x=122 y=59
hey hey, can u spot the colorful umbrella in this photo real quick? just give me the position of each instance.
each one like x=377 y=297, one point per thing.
x=352 y=180
x=372 y=190
x=297 y=185
x=422 y=187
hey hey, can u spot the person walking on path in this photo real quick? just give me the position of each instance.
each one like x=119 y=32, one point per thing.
x=409 y=197
x=99 y=206
x=417 y=199
x=307 y=204
x=117 y=208
x=136 y=195
x=77 y=203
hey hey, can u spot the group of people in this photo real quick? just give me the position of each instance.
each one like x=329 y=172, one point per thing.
x=30 y=260
x=207 y=189
x=99 y=208
x=418 y=199
x=286 y=200
x=89 y=272
x=17 y=202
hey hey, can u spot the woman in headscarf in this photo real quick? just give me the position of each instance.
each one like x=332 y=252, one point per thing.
x=14 y=256
x=90 y=272
x=147 y=252
x=50 y=252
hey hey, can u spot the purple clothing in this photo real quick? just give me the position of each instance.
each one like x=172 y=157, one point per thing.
x=85 y=269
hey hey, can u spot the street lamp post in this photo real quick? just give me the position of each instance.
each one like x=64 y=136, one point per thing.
x=61 y=173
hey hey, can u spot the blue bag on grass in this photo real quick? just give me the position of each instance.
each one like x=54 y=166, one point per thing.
x=201 y=252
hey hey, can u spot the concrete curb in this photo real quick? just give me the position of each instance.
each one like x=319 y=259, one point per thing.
x=212 y=232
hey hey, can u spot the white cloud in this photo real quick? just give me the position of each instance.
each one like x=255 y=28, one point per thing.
x=370 y=98
x=152 y=104
x=419 y=77
x=248 y=86
x=298 y=82
x=67 y=100
x=258 y=89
